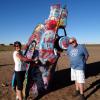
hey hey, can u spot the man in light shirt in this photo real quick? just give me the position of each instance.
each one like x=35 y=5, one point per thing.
x=78 y=56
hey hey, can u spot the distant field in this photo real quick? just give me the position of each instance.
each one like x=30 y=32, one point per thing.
x=6 y=48
x=11 y=48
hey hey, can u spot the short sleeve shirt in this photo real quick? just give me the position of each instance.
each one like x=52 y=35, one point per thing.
x=77 y=56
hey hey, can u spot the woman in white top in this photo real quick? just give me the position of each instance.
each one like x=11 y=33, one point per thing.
x=20 y=69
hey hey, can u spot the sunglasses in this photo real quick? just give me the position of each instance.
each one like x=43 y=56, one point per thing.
x=72 y=42
x=17 y=46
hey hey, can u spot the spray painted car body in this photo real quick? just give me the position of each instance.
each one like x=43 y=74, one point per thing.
x=49 y=44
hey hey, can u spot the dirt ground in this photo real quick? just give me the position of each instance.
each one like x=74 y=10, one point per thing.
x=62 y=87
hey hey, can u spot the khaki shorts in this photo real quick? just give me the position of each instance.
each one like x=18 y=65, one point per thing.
x=77 y=75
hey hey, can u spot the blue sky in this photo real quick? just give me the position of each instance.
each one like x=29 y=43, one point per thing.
x=18 y=19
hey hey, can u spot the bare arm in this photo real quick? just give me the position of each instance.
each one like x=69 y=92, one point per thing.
x=86 y=57
x=85 y=53
x=23 y=58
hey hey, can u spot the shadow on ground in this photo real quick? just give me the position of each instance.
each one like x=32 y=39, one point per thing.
x=5 y=65
x=93 y=69
x=94 y=86
x=61 y=79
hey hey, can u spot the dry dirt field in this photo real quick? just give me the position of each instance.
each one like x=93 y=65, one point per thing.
x=62 y=87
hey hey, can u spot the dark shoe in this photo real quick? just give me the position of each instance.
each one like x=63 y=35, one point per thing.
x=76 y=93
x=82 y=97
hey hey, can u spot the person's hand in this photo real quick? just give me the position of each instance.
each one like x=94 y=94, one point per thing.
x=36 y=59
